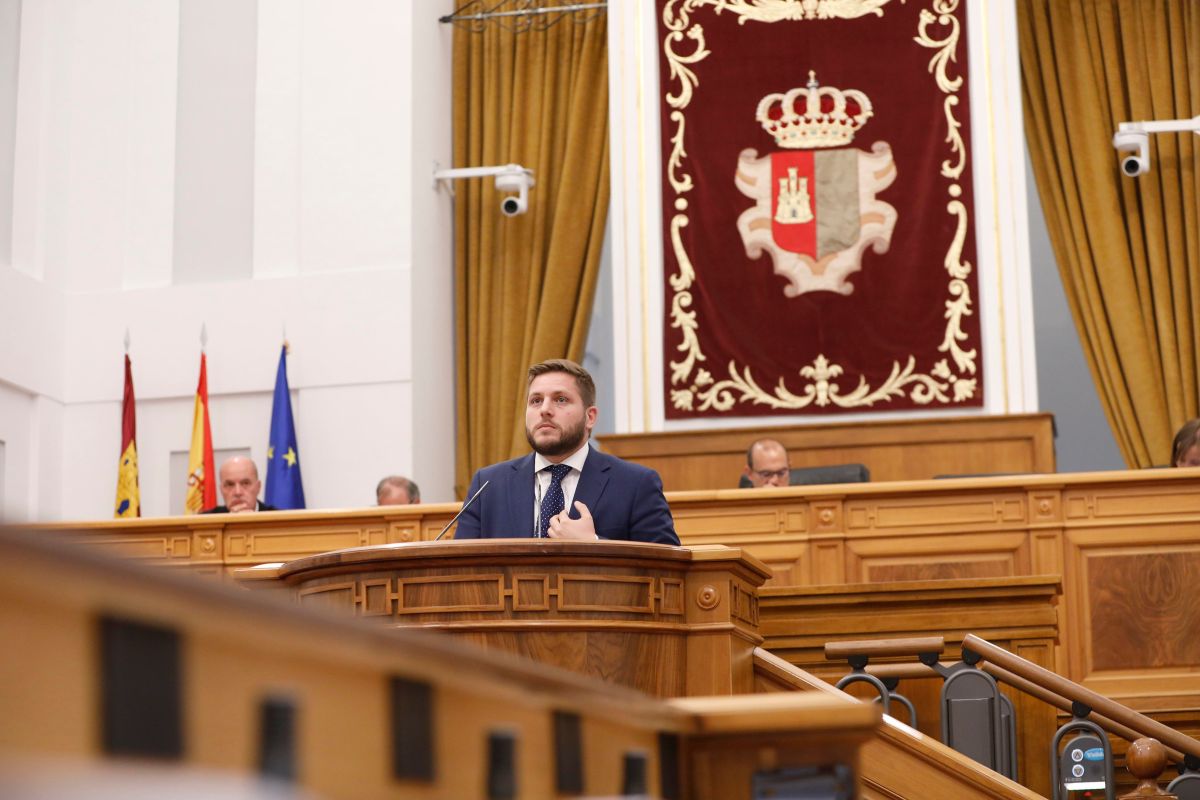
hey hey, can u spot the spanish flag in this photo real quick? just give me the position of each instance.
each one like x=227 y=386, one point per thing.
x=129 y=503
x=202 y=477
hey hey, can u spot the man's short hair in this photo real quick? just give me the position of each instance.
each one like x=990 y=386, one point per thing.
x=400 y=482
x=587 y=387
x=765 y=444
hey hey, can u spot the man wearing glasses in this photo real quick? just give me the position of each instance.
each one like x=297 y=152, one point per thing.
x=767 y=464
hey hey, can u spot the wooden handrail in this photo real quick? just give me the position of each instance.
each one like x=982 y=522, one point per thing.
x=1046 y=696
x=917 y=671
x=1073 y=692
x=885 y=647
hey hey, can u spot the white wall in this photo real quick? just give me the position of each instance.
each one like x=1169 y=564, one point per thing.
x=10 y=47
x=351 y=108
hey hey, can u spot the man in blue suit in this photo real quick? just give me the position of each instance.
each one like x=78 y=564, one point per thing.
x=565 y=489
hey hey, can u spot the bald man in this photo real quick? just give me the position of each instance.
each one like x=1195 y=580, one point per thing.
x=239 y=488
x=396 y=490
x=767 y=464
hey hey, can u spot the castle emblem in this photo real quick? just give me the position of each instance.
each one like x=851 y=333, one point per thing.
x=815 y=209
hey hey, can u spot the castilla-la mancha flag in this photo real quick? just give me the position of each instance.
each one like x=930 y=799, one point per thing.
x=202 y=476
x=819 y=222
x=129 y=503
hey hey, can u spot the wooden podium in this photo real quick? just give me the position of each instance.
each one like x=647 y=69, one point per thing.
x=669 y=621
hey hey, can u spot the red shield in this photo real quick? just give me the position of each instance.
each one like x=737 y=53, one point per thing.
x=814 y=200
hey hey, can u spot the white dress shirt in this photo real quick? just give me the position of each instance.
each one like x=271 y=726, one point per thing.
x=541 y=479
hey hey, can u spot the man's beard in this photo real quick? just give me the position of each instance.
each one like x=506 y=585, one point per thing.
x=569 y=440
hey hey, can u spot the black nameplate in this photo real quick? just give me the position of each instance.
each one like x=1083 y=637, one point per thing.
x=668 y=766
x=141 y=695
x=412 y=730
x=634 y=780
x=568 y=753
x=502 y=766
x=277 y=739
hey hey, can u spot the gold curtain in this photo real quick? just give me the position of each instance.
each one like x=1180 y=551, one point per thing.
x=524 y=285
x=1128 y=249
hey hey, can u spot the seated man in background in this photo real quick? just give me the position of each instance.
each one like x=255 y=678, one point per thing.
x=767 y=464
x=396 y=490
x=565 y=489
x=239 y=488
x=1185 y=451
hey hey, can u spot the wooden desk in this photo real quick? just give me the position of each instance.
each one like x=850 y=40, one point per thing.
x=1126 y=546
x=893 y=450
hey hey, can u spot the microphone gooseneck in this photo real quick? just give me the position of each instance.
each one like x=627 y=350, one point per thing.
x=465 y=506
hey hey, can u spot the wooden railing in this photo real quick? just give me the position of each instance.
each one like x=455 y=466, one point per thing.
x=1152 y=743
x=899 y=761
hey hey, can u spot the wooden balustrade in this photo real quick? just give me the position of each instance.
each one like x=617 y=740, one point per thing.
x=1075 y=693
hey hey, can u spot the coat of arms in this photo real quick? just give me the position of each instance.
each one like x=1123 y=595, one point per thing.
x=815 y=208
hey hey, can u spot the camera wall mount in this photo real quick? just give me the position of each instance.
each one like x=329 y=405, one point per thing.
x=512 y=179
x=1132 y=141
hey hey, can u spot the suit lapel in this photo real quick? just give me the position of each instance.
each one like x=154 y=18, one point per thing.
x=520 y=497
x=592 y=481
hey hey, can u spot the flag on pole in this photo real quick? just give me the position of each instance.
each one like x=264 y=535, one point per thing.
x=202 y=476
x=284 y=487
x=129 y=501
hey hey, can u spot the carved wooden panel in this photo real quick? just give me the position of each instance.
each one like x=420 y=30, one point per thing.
x=1131 y=502
x=646 y=596
x=153 y=546
x=914 y=557
x=958 y=513
x=740 y=521
x=1145 y=609
x=274 y=544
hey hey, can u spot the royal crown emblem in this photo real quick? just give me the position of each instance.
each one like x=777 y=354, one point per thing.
x=814 y=116
x=815 y=210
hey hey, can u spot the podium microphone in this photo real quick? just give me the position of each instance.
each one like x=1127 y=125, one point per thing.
x=466 y=505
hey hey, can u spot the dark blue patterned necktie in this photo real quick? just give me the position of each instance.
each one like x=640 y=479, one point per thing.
x=553 y=500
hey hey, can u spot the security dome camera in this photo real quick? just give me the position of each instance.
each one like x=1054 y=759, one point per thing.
x=1133 y=163
x=509 y=178
x=1135 y=136
x=519 y=181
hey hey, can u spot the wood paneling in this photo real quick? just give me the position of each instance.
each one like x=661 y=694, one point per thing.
x=339 y=676
x=665 y=620
x=1096 y=531
x=893 y=450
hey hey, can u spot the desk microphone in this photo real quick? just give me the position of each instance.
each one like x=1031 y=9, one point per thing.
x=466 y=505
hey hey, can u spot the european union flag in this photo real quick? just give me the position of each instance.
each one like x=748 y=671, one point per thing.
x=284 y=488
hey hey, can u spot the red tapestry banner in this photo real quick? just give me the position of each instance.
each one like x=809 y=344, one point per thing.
x=817 y=207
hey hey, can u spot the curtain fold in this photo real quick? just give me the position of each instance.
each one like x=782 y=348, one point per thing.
x=1127 y=248
x=524 y=285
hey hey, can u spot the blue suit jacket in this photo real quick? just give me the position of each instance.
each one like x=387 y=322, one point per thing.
x=625 y=500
